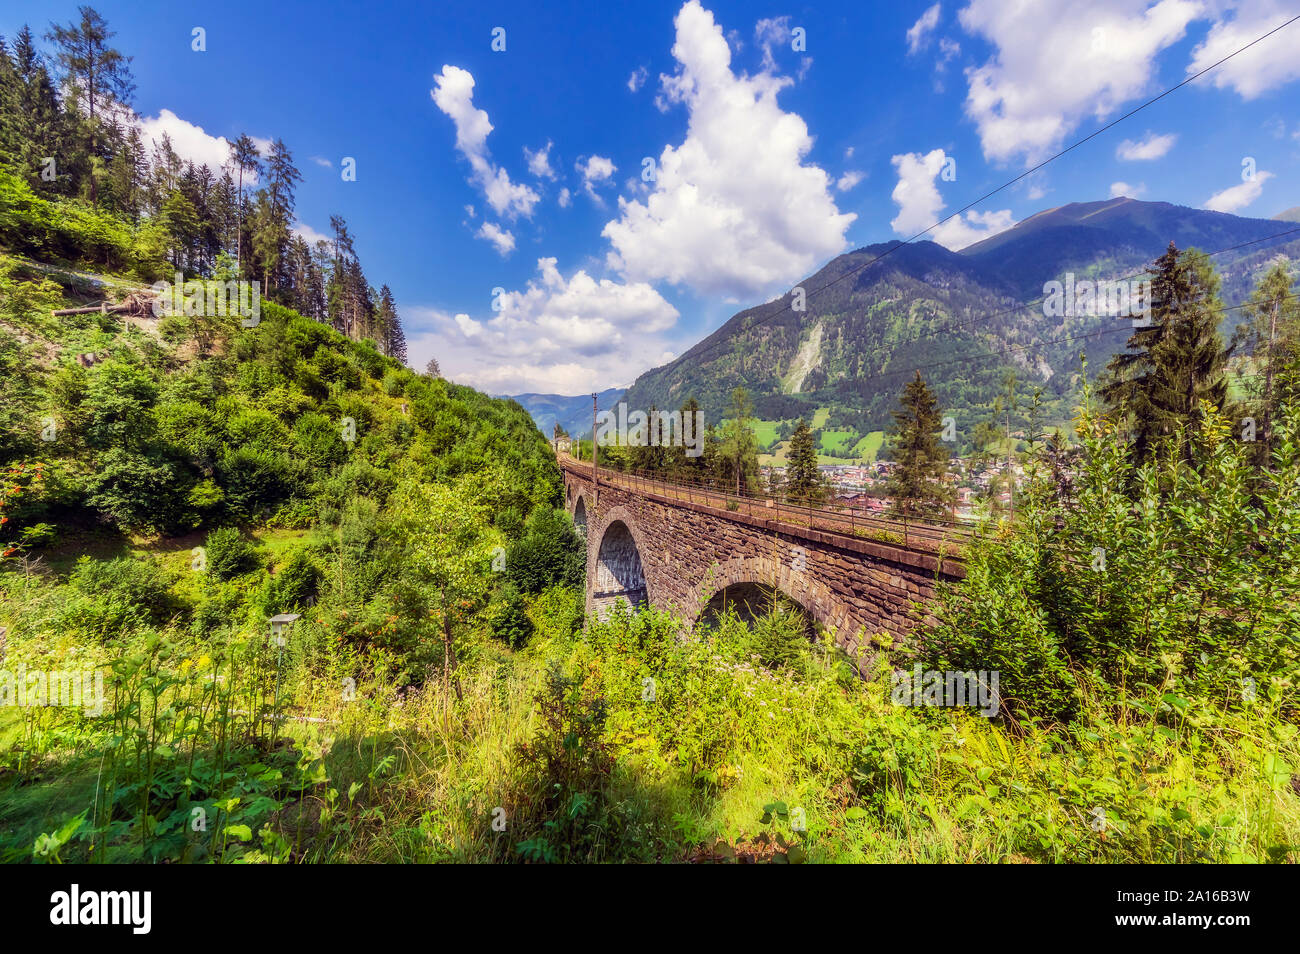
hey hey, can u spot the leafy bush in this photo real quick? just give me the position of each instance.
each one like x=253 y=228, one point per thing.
x=510 y=522
x=38 y=535
x=563 y=775
x=559 y=612
x=1178 y=582
x=228 y=553
x=551 y=553
x=779 y=637
x=508 y=617
x=138 y=491
x=319 y=440
x=135 y=587
x=256 y=479
x=119 y=397
x=291 y=589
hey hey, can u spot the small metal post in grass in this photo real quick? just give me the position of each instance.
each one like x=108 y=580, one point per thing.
x=280 y=624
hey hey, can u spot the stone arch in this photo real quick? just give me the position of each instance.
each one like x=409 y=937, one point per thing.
x=580 y=515
x=818 y=600
x=616 y=569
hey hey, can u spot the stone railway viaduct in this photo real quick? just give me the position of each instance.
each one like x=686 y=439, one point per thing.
x=650 y=543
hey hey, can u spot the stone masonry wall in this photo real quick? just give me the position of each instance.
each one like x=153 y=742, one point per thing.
x=689 y=552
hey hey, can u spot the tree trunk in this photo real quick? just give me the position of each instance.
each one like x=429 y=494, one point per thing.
x=1268 y=385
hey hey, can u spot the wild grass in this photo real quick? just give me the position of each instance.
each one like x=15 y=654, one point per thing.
x=633 y=741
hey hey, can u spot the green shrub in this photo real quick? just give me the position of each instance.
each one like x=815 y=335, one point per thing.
x=1178 y=581
x=510 y=522
x=780 y=637
x=319 y=440
x=228 y=553
x=133 y=587
x=38 y=535
x=551 y=553
x=291 y=589
x=559 y=612
x=508 y=617
x=256 y=479
x=138 y=491
x=221 y=607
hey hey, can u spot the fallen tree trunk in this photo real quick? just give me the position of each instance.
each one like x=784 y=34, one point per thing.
x=135 y=304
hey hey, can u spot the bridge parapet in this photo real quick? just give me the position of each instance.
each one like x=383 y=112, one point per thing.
x=645 y=542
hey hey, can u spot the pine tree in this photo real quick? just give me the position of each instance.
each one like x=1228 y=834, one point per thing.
x=246 y=158
x=274 y=214
x=1175 y=362
x=94 y=71
x=679 y=465
x=394 y=338
x=1274 y=333
x=803 y=478
x=775 y=483
x=33 y=126
x=916 y=483
x=651 y=457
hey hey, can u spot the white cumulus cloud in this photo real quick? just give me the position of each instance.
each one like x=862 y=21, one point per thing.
x=920 y=205
x=453 y=93
x=1239 y=196
x=595 y=170
x=918 y=35
x=499 y=237
x=1266 y=65
x=1120 y=189
x=1150 y=146
x=309 y=234
x=734 y=210
x=1058 y=62
x=191 y=143
x=539 y=161
x=562 y=335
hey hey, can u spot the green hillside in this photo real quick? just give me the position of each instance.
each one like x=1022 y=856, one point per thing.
x=966 y=319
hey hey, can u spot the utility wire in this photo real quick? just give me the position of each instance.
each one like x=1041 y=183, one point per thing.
x=1010 y=182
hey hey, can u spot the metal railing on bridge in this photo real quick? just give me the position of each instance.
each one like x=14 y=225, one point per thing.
x=942 y=536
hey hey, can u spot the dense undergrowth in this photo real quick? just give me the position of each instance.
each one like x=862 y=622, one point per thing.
x=628 y=743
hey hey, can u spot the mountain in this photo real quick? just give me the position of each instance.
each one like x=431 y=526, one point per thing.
x=1098 y=237
x=875 y=314
x=573 y=413
x=1290 y=215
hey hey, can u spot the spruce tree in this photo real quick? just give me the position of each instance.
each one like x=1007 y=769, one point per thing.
x=1176 y=361
x=803 y=478
x=1274 y=332
x=680 y=464
x=244 y=154
x=93 y=70
x=916 y=483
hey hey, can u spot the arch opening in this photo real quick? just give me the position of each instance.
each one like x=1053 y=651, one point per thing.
x=580 y=517
x=619 y=573
x=752 y=601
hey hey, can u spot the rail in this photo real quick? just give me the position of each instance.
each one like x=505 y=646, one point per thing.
x=934 y=536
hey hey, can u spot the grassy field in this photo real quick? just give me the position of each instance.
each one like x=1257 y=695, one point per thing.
x=866 y=450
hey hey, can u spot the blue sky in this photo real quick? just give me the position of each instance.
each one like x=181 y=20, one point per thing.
x=769 y=160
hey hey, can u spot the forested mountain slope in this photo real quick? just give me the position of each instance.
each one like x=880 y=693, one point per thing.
x=966 y=318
